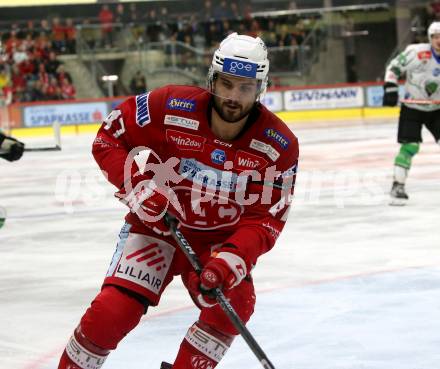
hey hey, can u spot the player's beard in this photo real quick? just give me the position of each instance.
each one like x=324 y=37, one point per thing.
x=230 y=111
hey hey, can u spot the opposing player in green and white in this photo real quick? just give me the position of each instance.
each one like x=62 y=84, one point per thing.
x=421 y=65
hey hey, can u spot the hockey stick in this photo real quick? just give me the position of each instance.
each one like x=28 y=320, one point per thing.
x=57 y=136
x=34 y=149
x=420 y=101
x=220 y=297
x=50 y=148
x=56 y=147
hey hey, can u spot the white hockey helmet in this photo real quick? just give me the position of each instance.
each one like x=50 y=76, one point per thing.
x=241 y=56
x=433 y=29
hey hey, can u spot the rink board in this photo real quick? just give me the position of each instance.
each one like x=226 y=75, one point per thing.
x=290 y=117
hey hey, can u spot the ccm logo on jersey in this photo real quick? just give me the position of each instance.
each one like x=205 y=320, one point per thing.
x=245 y=160
x=185 y=141
x=264 y=148
x=277 y=137
x=174 y=120
x=222 y=143
x=142 y=110
x=176 y=103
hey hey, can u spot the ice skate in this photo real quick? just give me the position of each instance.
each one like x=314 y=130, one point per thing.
x=398 y=194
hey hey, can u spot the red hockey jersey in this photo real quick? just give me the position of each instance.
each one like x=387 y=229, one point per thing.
x=235 y=191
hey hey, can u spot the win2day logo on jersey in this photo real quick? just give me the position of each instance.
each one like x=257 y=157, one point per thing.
x=185 y=141
x=175 y=103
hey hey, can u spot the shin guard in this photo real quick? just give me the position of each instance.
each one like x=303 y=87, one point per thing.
x=202 y=348
x=81 y=353
x=111 y=316
x=403 y=160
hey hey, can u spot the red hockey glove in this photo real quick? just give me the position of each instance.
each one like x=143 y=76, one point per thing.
x=226 y=270
x=148 y=202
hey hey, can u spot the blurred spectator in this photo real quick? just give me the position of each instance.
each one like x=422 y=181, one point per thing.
x=88 y=33
x=4 y=77
x=12 y=43
x=284 y=38
x=28 y=41
x=292 y=5
x=138 y=84
x=58 y=35
x=349 y=49
x=106 y=19
x=18 y=82
x=52 y=63
x=269 y=35
x=45 y=28
x=299 y=32
x=226 y=28
x=37 y=91
x=164 y=17
x=433 y=9
x=133 y=14
x=213 y=36
x=154 y=28
x=61 y=75
x=121 y=16
x=19 y=54
x=137 y=28
x=293 y=54
x=187 y=61
x=235 y=11
x=222 y=11
x=6 y=96
x=52 y=90
x=70 y=32
x=43 y=76
x=67 y=90
x=254 y=29
x=30 y=29
x=247 y=11
x=28 y=66
x=42 y=48
x=207 y=12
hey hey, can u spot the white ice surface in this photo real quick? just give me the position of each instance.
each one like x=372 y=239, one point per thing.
x=352 y=283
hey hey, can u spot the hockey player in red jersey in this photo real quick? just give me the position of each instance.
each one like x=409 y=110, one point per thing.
x=225 y=167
